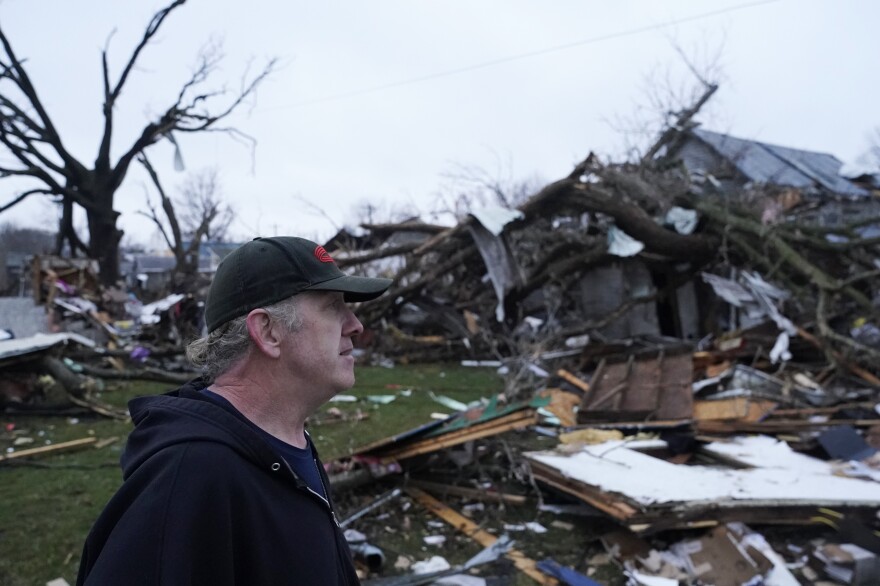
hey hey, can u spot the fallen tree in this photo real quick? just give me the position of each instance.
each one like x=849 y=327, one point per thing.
x=562 y=233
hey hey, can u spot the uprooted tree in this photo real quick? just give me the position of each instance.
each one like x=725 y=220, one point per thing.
x=35 y=151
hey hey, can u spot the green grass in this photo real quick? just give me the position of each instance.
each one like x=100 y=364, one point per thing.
x=405 y=412
x=48 y=505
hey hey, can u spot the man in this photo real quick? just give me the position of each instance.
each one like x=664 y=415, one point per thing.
x=222 y=484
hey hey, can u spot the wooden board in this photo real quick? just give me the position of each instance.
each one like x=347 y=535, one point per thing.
x=740 y=408
x=516 y=420
x=655 y=386
x=464 y=525
x=53 y=449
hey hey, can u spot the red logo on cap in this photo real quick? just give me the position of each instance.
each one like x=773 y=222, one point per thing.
x=322 y=255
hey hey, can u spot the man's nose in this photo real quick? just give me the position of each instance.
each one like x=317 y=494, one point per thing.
x=353 y=325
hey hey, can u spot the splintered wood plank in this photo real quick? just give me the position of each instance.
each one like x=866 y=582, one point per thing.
x=606 y=503
x=43 y=450
x=641 y=387
x=572 y=379
x=469 y=528
x=676 y=399
x=516 y=420
x=739 y=408
x=606 y=385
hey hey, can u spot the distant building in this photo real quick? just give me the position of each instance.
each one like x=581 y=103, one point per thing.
x=14 y=272
x=211 y=253
x=807 y=181
x=152 y=273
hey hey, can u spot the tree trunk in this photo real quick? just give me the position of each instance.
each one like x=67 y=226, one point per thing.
x=65 y=227
x=104 y=238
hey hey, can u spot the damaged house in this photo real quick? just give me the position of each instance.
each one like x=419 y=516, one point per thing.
x=621 y=251
x=152 y=274
x=790 y=185
x=803 y=179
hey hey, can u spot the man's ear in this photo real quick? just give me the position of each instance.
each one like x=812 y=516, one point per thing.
x=263 y=334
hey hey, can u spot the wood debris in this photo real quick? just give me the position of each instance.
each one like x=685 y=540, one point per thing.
x=52 y=449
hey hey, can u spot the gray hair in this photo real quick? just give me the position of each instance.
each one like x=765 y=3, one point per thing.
x=215 y=353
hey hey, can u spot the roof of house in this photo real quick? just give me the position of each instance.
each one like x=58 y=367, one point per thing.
x=22 y=316
x=219 y=249
x=151 y=263
x=766 y=163
x=17 y=259
x=146 y=263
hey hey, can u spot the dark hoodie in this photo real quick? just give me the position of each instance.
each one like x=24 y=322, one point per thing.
x=205 y=500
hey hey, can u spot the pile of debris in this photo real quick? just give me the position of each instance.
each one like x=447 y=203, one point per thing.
x=706 y=341
x=673 y=246
x=89 y=333
x=688 y=471
x=702 y=360
x=699 y=342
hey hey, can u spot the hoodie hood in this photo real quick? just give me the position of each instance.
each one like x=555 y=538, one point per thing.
x=186 y=415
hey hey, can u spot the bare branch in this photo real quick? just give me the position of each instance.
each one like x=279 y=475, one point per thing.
x=154 y=216
x=16 y=73
x=316 y=210
x=203 y=121
x=167 y=206
x=179 y=117
x=22 y=196
x=151 y=31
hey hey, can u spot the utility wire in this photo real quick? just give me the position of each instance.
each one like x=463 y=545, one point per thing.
x=519 y=56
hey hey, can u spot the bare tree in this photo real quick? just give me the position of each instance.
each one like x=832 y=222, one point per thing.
x=202 y=209
x=500 y=188
x=468 y=187
x=378 y=211
x=199 y=214
x=672 y=94
x=36 y=151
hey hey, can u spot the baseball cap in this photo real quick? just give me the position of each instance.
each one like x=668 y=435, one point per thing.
x=267 y=270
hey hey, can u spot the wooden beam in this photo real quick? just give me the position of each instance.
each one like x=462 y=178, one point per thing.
x=43 y=450
x=481 y=536
x=516 y=420
x=736 y=408
x=582 y=385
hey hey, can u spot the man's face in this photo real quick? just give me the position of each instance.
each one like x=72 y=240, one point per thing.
x=319 y=353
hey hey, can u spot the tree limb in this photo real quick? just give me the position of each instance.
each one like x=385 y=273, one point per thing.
x=21 y=197
x=167 y=206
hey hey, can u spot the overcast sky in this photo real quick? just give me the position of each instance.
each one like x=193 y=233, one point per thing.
x=385 y=101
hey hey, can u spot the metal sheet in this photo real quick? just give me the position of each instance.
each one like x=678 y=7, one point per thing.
x=38 y=343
